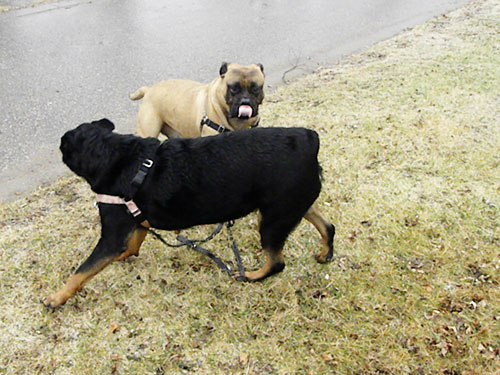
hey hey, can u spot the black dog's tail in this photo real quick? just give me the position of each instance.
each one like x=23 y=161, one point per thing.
x=314 y=139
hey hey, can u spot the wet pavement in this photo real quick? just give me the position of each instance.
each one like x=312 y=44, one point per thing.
x=71 y=61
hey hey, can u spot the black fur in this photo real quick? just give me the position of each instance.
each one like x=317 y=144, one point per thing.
x=197 y=181
x=204 y=180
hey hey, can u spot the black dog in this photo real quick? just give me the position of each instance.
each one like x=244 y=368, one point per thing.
x=196 y=181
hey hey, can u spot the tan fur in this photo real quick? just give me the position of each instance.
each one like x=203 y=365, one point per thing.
x=314 y=217
x=175 y=107
x=272 y=258
x=78 y=280
x=74 y=284
x=134 y=243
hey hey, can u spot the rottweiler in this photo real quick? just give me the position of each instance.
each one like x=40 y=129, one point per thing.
x=194 y=181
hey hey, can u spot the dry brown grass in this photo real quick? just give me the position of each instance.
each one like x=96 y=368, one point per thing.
x=410 y=140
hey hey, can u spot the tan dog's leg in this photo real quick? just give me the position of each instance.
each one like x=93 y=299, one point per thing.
x=149 y=123
x=327 y=231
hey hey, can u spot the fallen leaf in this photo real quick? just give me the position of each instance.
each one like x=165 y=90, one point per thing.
x=113 y=328
x=434 y=314
x=327 y=358
x=244 y=358
x=444 y=348
x=195 y=344
x=320 y=294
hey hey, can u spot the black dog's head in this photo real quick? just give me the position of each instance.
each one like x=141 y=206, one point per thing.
x=83 y=150
x=244 y=89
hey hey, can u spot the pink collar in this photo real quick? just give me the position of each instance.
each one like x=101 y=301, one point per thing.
x=110 y=199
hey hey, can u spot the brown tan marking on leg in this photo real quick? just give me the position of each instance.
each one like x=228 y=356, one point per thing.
x=134 y=243
x=74 y=284
x=315 y=218
x=274 y=264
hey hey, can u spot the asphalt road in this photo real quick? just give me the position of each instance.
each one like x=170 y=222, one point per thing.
x=72 y=61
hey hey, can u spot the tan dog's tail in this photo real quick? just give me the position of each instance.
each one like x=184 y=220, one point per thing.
x=139 y=94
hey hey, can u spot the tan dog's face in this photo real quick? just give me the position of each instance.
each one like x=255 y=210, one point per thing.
x=244 y=89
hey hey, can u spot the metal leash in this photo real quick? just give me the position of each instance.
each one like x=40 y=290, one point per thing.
x=236 y=251
x=194 y=244
x=182 y=239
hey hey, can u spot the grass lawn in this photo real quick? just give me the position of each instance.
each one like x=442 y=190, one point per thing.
x=410 y=142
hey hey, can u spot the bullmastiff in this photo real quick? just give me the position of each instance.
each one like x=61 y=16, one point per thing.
x=189 y=109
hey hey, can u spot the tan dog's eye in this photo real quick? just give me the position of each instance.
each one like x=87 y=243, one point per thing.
x=234 y=89
x=256 y=89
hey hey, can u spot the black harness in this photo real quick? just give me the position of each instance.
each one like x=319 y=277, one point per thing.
x=136 y=183
x=205 y=121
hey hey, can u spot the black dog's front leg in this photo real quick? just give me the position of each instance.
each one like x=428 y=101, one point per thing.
x=120 y=237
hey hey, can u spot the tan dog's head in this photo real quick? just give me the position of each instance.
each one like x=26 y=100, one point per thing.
x=244 y=87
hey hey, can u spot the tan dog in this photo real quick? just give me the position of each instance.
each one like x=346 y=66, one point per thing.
x=177 y=107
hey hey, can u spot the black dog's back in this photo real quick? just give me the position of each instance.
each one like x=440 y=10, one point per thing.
x=274 y=170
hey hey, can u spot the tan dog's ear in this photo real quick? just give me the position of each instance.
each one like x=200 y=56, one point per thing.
x=261 y=67
x=223 y=69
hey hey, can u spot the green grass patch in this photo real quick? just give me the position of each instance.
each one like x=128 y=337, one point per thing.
x=409 y=146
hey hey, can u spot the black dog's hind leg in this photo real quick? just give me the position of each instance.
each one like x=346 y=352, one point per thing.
x=120 y=238
x=274 y=233
x=327 y=231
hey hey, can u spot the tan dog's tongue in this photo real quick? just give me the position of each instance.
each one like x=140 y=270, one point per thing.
x=245 y=111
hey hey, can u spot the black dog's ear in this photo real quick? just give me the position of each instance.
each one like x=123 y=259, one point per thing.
x=261 y=67
x=223 y=69
x=105 y=123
